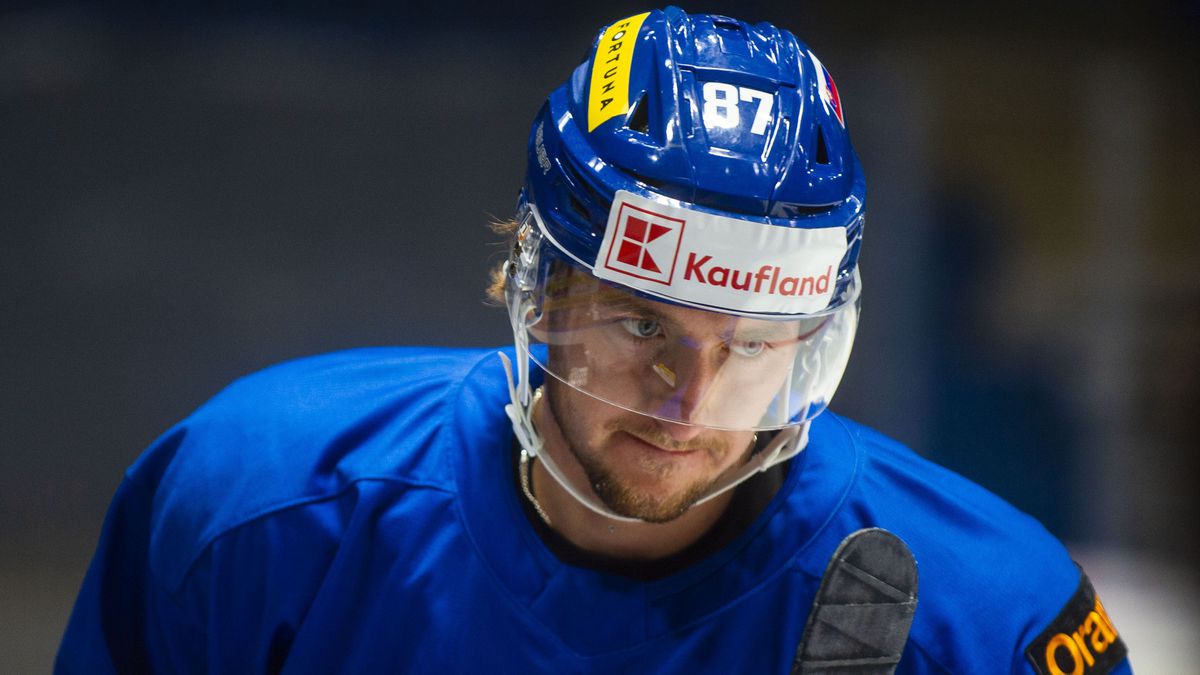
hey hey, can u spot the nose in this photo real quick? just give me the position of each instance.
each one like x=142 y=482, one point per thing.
x=686 y=387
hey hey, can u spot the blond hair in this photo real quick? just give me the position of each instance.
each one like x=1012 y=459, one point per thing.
x=495 y=288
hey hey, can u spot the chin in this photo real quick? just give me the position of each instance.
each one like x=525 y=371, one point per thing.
x=650 y=498
x=626 y=463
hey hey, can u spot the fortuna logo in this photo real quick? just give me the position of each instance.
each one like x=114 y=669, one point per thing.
x=746 y=280
x=646 y=245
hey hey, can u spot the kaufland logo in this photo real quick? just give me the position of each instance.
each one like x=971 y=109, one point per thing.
x=711 y=260
x=646 y=244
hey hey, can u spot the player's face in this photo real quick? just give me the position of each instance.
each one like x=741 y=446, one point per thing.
x=639 y=466
x=660 y=401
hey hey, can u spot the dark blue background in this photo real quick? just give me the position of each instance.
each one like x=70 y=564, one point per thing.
x=189 y=193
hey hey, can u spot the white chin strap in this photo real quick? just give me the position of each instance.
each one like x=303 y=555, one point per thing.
x=785 y=445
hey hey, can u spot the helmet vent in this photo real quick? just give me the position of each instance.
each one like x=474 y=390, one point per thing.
x=639 y=119
x=653 y=183
x=579 y=209
x=822 y=154
x=726 y=23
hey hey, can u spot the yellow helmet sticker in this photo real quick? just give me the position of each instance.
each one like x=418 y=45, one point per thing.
x=608 y=95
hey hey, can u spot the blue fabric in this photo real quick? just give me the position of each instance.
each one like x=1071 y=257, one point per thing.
x=356 y=513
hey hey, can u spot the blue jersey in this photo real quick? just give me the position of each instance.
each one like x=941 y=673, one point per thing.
x=356 y=513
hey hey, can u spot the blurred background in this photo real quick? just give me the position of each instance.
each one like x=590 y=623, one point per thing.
x=188 y=194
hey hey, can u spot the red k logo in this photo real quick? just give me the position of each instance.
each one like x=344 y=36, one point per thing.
x=645 y=244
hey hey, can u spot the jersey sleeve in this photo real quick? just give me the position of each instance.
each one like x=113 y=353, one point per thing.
x=1081 y=638
x=236 y=607
x=123 y=621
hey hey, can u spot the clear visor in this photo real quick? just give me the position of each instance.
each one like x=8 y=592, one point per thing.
x=681 y=364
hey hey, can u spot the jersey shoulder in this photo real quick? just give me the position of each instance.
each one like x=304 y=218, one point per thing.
x=989 y=575
x=298 y=433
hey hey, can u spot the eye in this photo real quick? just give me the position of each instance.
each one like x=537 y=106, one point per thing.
x=748 y=348
x=642 y=328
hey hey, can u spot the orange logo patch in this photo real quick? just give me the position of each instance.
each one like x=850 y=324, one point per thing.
x=1080 y=641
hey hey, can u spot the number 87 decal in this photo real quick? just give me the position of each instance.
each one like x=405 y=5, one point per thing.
x=721 y=106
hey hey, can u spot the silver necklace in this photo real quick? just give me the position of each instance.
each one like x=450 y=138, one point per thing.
x=526 y=473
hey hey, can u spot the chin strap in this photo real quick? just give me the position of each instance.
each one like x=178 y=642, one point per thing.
x=785 y=445
x=521 y=416
x=523 y=401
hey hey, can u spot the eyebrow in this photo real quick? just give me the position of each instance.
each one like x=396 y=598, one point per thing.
x=791 y=330
x=611 y=297
x=794 y=330
x=765 y=334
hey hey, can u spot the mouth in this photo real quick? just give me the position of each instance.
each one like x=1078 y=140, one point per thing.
x=651 y=445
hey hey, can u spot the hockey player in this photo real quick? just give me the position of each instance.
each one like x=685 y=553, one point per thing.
x=647 y=482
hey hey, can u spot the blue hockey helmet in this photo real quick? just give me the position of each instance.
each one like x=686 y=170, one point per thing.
x=691 y=163
x=729 y=118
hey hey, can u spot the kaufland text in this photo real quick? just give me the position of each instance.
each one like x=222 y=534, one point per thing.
x=768 y=279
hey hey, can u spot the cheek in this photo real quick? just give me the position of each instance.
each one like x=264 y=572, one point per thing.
x=581 y=418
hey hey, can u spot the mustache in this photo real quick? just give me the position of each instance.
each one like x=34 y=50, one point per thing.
x=654 y=435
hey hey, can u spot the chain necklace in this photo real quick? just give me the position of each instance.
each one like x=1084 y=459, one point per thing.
x=526 y=473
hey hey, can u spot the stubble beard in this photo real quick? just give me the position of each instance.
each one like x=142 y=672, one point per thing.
x=621 y=497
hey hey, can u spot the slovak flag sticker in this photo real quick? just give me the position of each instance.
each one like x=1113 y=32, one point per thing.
x=829 y=92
